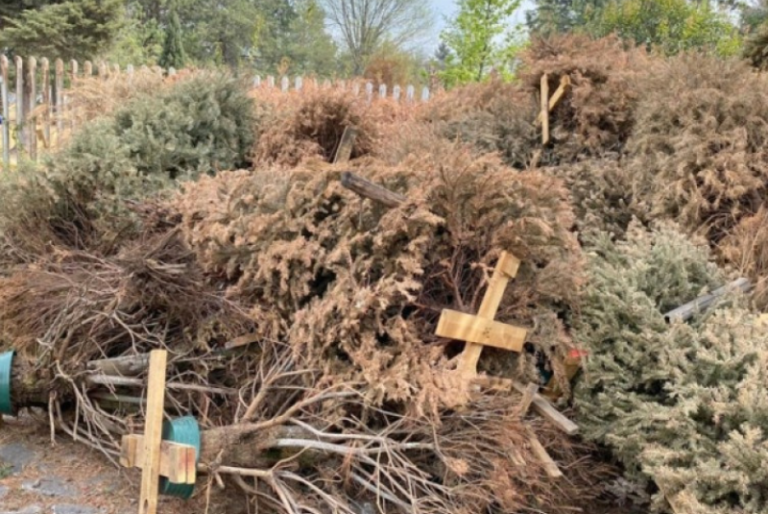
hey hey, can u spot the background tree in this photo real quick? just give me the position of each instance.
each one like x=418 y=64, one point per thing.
x=173 y=55
x=365 y=25
x=479 y=39
x=313 y=50
x=560 y=16
x=77 y=29
x=392 y=66
x=670 y=25
x=292 y=35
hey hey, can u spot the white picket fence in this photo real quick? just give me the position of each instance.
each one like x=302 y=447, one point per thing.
x=37 y=84
x=396 y=93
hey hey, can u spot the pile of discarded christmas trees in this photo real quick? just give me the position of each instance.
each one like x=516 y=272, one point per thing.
x=302 y=313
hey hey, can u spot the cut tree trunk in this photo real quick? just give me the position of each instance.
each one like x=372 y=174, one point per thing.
x=242 y=446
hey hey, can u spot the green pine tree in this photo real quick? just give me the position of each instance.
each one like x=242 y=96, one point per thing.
x=173 y=55
x=76 y=29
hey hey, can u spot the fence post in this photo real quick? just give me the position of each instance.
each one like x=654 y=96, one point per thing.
x=270 y=81
x=32 y=98
x=383 y=91
x=284 y=84
x=409 y=93
x=368 y=92
x=74 y=71
x=396 y=93
x=45 y=66
x=425 y=94
x=299 y=82
x=171 y=71
x=356 y=89
x=6 y=112
x=20 y=107
x=58 y=96
x=88 y=69
x=102 y=70
x=129 y=71
x=257 y=81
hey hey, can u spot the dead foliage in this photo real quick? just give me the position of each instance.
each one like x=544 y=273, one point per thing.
x=74 y=307
x=698 y=148
x=745 y=248
x=492 y=116
x=309 y=123
x=360 y=287
x=596 y=115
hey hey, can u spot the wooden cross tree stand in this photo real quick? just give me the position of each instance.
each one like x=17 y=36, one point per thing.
x=155 y=457
x=481 y=330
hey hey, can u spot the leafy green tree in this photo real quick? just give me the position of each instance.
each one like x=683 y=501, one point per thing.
x=479 y=40
x=173 y=55
x=77 y=29
x=670 y=25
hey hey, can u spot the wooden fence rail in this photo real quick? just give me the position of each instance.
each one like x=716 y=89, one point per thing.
x=41 y=86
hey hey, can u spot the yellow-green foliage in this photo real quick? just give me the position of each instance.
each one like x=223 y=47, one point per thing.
x=683 y=405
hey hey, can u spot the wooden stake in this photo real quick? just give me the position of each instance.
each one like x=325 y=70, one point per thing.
x=528 y=395
x=368 y=189
x=153 y=432
x=565 y=81
x=539 y=403
x=346 y=145
x=506 y=269
x=550 y=466
x=544 y=109
x=548 y=411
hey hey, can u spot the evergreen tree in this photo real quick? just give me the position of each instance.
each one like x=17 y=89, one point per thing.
x=76 y=29
x=173 y=55
x=560 y=16
x=442 y=54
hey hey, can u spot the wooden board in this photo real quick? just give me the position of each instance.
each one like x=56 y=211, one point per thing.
x=177 y=461
x=368 y=189
x=550 y=466
x=346 y=145
x=153 y=432
x=242 y=341
x=548 y=411
x=506 y=269
x=486 y=332
x=528 y=395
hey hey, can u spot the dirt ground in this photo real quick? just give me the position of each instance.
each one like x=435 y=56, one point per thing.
x=37 y=477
